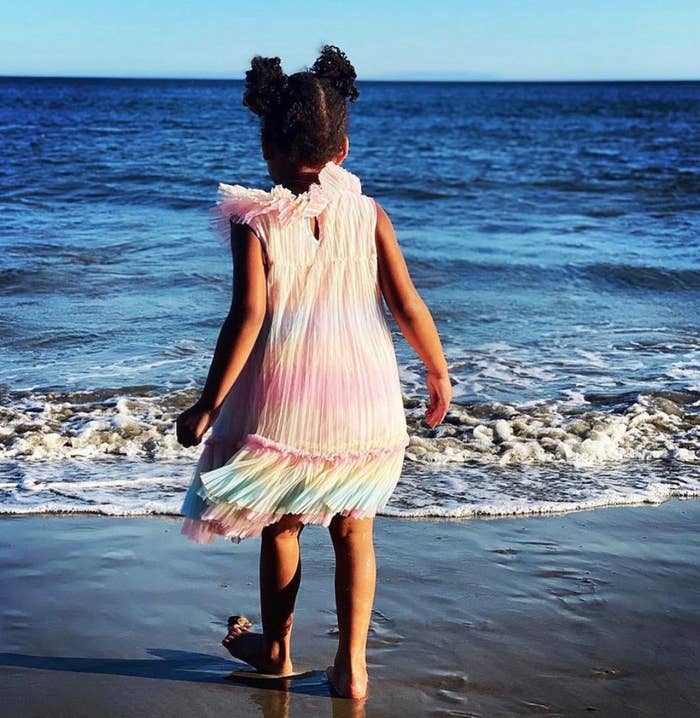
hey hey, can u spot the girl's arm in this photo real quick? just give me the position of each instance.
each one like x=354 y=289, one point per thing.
x=237 y=335
x=413 y=317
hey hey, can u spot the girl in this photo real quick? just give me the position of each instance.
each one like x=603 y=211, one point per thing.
x=303 y=393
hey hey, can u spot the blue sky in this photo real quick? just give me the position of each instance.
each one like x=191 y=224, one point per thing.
x=485 y=39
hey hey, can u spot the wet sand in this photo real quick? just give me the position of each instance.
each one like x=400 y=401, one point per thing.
x=588 y=613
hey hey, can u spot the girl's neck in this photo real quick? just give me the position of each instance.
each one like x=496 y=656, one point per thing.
x=299 y=182
x=296 y=179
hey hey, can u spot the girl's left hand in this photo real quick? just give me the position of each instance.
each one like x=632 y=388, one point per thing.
x=193 y=423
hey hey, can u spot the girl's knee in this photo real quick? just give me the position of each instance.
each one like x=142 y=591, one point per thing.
x=344 y=528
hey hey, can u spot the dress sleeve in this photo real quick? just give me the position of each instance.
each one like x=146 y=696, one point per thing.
x=239 y=205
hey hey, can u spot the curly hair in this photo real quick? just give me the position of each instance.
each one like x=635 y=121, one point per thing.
x=304 y=115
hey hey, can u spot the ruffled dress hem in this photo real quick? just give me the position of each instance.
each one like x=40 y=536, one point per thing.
x=264 y=480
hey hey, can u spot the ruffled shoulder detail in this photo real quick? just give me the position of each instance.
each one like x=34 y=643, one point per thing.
x=242 y=204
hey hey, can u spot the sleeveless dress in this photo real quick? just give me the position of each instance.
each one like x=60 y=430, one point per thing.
x=314 y=424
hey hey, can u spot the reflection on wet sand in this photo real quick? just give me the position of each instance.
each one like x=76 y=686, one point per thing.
x=275 y=696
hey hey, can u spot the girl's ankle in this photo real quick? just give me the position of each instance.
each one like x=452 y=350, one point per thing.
x=354 y=666
x=276 y=650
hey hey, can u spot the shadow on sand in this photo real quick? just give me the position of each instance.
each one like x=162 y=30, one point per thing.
x=273 y=696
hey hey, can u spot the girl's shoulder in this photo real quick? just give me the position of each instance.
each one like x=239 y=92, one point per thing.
x=243 y=205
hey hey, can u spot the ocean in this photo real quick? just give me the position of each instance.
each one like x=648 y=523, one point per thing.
x=553 y=230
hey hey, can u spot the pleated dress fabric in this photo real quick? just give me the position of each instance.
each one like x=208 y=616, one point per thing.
x=314 y=424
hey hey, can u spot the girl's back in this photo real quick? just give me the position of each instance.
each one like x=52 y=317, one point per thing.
x=329 y=379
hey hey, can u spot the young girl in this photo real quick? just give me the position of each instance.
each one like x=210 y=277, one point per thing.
x=303 y=393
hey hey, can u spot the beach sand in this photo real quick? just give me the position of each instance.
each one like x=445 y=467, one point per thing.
x=588 y=613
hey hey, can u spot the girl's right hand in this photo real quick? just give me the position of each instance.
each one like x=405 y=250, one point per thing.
x=440 y=393
x=193 y=423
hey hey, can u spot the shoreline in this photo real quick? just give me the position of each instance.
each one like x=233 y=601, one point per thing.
x=570 y=614
x=476 y=515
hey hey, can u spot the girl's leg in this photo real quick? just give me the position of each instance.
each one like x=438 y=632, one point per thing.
x=280 y=575
x=355 y=579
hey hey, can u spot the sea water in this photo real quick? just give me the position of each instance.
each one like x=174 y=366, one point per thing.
x=553 y=230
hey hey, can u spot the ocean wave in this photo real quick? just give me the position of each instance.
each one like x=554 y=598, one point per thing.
x=141 y=424
x=443 y=270
x=642 y=277
x=114 y=452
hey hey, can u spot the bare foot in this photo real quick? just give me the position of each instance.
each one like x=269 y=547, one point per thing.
x=249 y=647
x=347 y=684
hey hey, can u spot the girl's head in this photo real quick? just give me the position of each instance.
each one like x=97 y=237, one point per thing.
x=304 y=116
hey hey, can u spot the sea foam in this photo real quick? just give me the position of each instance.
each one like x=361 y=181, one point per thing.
x=114 y=452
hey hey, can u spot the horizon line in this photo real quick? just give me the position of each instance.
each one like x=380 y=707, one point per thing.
x=482 y=79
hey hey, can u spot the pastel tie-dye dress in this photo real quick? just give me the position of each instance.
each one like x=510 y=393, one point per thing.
x=314 y=424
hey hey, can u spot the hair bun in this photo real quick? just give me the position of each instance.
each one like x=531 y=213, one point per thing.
x=332 y=64
x=264 y=84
